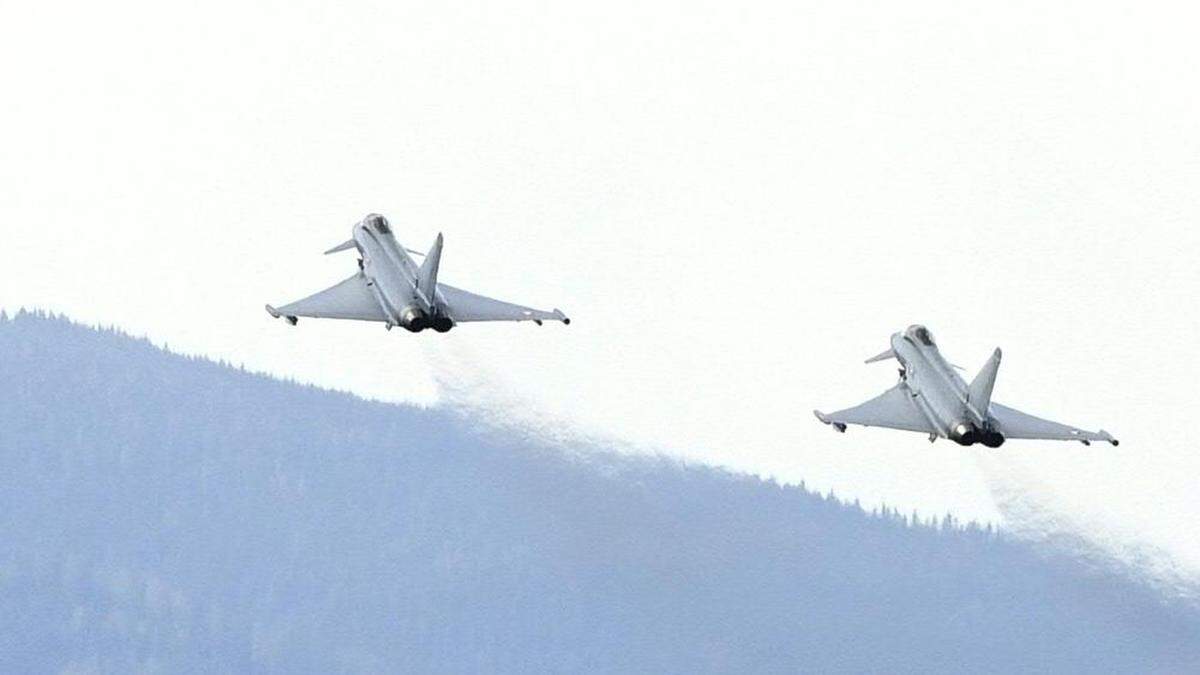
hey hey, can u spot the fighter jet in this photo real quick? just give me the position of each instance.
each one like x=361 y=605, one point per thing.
x=391 y=288
x=933 y=399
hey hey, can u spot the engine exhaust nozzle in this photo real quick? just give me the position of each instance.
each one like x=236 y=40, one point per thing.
x=969 y=434
x=413 y=319
x=964 y=434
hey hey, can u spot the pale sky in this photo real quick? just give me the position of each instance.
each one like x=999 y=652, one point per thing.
x=736 y=204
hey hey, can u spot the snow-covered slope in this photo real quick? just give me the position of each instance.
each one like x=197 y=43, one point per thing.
x=168 y=513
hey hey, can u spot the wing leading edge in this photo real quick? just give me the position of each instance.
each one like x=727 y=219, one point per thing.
x=350 y=299
x=1016 y=424
x=464 y=306
x=894 y=409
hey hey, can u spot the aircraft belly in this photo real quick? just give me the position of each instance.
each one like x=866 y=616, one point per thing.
x=936 y=401
x=393 y=288
x=930 y=415
x=945 y=406
x=936 y=386
x=391 y=292
x=395 y=280
x=383 y=303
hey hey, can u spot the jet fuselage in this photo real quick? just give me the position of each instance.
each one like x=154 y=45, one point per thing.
x=389 y=287
x=393 y=278
x=933 y=399
x=938 y=390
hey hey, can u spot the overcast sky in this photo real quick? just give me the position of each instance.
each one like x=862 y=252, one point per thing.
x=736 y=203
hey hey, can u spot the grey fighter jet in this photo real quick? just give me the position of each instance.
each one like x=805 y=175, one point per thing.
x=391 y=288
x=933 y=399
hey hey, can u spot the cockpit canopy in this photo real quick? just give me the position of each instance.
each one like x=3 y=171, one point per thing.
x=378 y=223
x=920 y=335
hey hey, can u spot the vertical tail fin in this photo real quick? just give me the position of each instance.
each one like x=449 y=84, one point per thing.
x=979 y=394
x=427 y=275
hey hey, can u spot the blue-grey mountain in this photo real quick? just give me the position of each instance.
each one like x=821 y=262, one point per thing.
x=171 y=514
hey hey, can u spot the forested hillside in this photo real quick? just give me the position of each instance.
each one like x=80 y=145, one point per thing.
x=172 y=514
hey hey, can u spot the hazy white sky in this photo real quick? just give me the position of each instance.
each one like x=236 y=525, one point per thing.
x=736 y=203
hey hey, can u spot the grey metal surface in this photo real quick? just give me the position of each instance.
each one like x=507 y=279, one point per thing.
x=933 y=398
x=391 y=288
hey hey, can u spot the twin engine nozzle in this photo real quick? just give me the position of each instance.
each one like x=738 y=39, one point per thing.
x=415 y=320
x=969 y=434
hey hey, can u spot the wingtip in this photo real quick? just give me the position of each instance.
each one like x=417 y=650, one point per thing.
x=839 y=427
x=272 y=311
x=558 y=313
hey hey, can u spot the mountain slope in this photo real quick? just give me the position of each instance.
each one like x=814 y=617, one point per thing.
x=168 y=513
